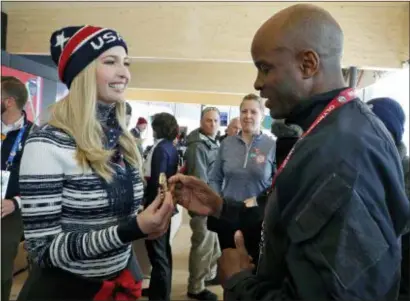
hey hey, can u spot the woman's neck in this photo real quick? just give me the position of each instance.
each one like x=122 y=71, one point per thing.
x=104 y=110
x=248 y=136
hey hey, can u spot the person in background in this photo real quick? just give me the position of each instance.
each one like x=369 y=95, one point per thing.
x=137 y=131
x=218 y=135
x=181 y=148
x=81 y=182
x=286 y=137
x=139 y=128
x=128 y=114
x=163 y=158
x=182 y=140
x=233 y=128
x=243 y=169
x=337 y=210
x=201 y=153
x=392 y=115
x=15 y=129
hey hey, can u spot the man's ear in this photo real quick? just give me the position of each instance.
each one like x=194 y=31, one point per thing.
x=10 y=99
x=309 y=63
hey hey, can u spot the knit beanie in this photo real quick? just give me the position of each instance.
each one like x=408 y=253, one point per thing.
x=141 y=121
x=391 y=114
x=73 y=48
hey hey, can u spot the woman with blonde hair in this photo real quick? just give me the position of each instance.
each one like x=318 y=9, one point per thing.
x=81 y=181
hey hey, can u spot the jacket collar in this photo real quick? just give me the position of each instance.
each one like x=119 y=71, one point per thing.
x=197 y=136
x=254 y=138
x=402 y=150
x=306 y=112
x=5 y=129
x=257 y=136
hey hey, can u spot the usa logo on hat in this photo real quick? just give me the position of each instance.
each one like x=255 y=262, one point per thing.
x=74 y=48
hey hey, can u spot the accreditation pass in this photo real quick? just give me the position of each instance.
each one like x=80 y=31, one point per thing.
x=5 y=177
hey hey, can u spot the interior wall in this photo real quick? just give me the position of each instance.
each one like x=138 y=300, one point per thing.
x=405 y=56
x=215 y=31
x=199 y=52
x=48 y=74
x=194 y=76
x=184 y=97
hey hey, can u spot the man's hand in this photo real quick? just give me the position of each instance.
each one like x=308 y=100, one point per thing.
x=7 y=207
x=195 y=195
x=251 y=202
x=234 y=261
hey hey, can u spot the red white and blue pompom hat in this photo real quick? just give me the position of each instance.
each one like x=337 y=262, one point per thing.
x=73 y=48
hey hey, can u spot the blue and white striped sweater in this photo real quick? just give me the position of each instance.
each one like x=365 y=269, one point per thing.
x=68 y=220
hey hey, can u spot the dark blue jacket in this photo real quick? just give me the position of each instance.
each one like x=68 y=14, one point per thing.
x=332 y=226
x=164 y=159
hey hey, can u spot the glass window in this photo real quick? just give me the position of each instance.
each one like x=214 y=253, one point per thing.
x=395 y=85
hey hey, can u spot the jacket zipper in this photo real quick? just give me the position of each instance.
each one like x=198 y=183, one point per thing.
x=247 y=153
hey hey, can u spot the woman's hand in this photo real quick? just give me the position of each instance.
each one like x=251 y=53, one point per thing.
x=155 y=219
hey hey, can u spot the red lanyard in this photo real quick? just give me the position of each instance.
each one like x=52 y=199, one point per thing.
x=344 y=97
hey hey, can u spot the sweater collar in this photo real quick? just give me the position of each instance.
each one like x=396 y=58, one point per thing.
x=105 y=112
x=254 y=137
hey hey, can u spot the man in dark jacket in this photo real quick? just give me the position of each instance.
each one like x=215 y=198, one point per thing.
x=286 y=137
x=392 y=115
x=202 y=149
x=163 y=158
x=334 y=218
x=15 y=129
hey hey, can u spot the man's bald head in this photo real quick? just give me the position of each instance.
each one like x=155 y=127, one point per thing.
x=234 y=127
x=305 y=26
x=298 y=54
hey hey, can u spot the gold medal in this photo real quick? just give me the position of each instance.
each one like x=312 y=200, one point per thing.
x=163 y=185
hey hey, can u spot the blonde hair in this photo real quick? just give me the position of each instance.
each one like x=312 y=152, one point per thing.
x=255 y=98
x=76 y=114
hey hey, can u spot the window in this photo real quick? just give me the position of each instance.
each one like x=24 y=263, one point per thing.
x=395 y=85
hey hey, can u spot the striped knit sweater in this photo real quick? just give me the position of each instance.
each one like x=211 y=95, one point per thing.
x=68 y=220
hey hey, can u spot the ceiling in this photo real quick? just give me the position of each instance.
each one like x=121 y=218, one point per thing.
x=204 y=47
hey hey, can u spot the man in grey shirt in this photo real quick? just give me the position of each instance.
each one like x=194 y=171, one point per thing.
x=202 y=149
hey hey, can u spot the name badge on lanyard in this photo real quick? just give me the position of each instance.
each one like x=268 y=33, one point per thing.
x=5 y=174
x=5 y=177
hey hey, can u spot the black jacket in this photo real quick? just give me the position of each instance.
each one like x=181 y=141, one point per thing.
x=405 y=264
x=332 y=224
x=164 y=159
x=13 y=189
